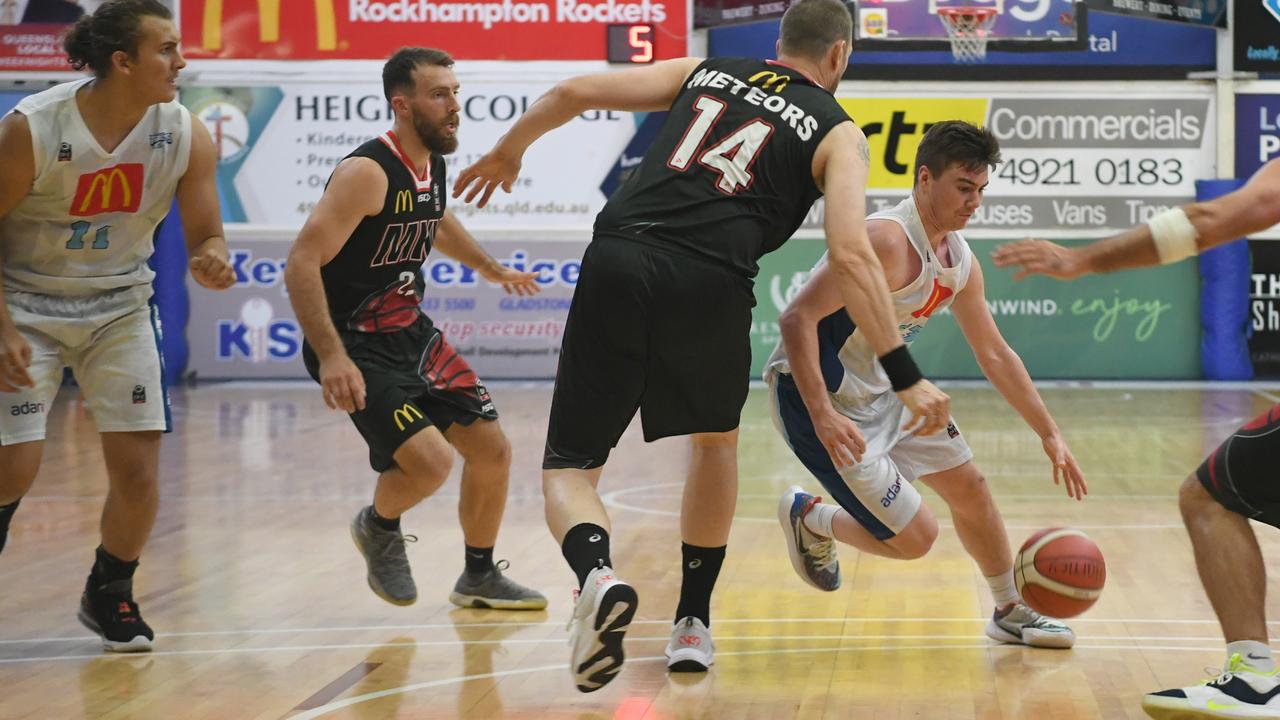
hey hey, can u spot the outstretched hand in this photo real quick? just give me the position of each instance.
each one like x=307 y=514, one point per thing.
x=485 y=175
x=1038 y=257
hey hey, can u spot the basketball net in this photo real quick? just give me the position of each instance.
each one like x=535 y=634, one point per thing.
x=969 y=29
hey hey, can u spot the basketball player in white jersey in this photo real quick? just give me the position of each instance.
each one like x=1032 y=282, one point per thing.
x=835 y=408
x=90 y=169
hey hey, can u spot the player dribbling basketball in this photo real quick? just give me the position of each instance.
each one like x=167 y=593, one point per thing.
x=826 y=387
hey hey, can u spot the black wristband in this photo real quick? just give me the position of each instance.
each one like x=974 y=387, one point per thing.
x=900 y=368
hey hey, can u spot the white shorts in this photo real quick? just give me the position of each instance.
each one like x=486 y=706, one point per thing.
x=877 y=492
x=113 y=349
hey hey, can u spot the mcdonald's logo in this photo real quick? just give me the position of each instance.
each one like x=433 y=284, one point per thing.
x=114 y=189
x=269 y=24
x=939 y=294
x=404 y=201
x=772 y=80
x=405 y=416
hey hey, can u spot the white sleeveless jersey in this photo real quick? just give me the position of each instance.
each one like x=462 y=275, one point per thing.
x=850 y=367
x=87 y=225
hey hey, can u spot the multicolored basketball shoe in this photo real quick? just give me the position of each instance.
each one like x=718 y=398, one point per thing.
x=1241 y=691
x=812 y=555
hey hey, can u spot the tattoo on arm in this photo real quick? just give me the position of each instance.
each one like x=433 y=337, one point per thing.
x=864 y=151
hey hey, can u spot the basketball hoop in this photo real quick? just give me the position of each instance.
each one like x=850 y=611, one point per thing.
x=969 y=29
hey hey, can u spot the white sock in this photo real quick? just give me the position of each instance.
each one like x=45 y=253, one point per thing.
x=820 y=518
x=1003 y=588
x=1255 y=654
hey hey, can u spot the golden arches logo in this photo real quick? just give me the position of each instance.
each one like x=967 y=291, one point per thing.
x=269 y=24
x=405 y=415
x=404 y=201
x=772 y=80
x=96 y=192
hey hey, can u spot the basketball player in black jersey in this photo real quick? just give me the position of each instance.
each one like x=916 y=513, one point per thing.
x=354 y=278
x=661 y=315
x=1236 y=483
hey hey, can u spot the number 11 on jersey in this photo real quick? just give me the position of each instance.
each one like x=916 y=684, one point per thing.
x=80 y=228
x=732 y=156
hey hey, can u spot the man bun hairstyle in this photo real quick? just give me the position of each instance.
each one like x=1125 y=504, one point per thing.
x=116 y=25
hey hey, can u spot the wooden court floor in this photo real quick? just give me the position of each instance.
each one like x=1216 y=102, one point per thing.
x=261 y=609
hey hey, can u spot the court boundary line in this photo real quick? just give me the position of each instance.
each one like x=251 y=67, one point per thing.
x=561 y=667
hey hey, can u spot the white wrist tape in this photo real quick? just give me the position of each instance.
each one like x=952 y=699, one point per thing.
x=1174 y=235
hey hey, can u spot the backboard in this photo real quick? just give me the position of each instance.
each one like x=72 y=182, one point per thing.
x=1025 y=25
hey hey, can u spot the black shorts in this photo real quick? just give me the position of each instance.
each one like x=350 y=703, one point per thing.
x=413 y=380
x=654 y=330
x=1241 y=472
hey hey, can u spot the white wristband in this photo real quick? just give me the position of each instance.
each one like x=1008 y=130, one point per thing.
x=1174 y=235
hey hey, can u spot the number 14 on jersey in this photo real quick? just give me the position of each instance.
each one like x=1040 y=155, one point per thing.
x=731 y=157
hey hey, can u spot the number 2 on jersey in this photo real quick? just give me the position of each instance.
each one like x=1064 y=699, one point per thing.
x=406 y=283
x=732 y=156
x=80 y=228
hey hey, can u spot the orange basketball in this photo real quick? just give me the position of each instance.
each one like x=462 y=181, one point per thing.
x=1060 y=572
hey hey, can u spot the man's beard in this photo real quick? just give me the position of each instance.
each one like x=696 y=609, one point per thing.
x=434 y=136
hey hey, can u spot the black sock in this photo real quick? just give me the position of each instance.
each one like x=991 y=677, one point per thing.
x=109 y=568
x=586 y=547
x=479 y=560
x=6 y=514
x=390 y=524
x=700 y=567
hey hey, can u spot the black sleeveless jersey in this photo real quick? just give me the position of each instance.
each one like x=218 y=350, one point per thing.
x=374 y=284
x=730 y=175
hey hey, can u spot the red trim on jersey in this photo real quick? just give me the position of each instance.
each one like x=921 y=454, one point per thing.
x=389 y=139
x=1263 y=420
x=1213 y=471
x=806 y=75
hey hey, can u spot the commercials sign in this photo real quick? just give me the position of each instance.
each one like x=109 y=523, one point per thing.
x=1073 y=163
x=1147 y=327
x=250 y=331
x=277 y=146
x=467 y=29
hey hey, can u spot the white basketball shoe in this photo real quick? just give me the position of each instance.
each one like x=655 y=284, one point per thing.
x=603 y=610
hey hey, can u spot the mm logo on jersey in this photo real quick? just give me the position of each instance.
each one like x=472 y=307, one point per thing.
x=404 y=201
x=404 y=415
x=114 y=189
x=895 y=125
x=772 y=80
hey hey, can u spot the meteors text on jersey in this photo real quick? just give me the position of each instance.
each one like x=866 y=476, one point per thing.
x=803 y=123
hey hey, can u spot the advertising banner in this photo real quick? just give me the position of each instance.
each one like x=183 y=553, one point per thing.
x=250 y=331
x=1073 y=163
x=31 y=32
x=1257 y=138
x=1256 y=36
x=467 y=29
x=32 y=47
x=279 y=144
x=1146 y=327
x=1257 y=131
x=1264 y=308
x=713 y=13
